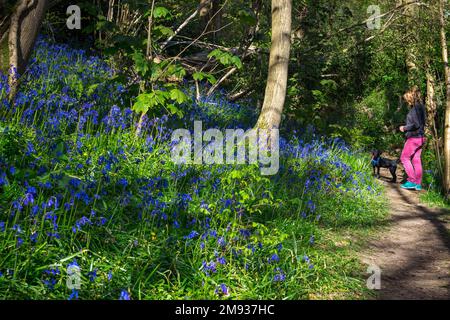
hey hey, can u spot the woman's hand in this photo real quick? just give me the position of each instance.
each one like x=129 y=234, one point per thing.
x=402 y=128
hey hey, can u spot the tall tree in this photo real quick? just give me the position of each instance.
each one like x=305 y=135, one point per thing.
x=447 y=108
x=275 y=93
x=24 y=27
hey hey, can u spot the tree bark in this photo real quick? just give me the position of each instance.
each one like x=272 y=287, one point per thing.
x=431 y=127
x=149 y=32
x=430 y=104
x=216 y=15
x=446 y=176
x=25 y=24
x=410 y=23
x=4 y=28
x=275 y=93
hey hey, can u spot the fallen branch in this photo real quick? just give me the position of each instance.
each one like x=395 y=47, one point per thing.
x=217 y=84
x=185 y=23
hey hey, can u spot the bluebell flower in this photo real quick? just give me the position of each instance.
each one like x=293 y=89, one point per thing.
x=73 y=295
x=33 y=237
x=74 y=263
x=279 y=275
x=274 y=258
x=224 y=289
x=17 y=228
x=92 y=275
x=209 y=267
x=279 y=247
x=245 y=233
x=221 y=242
x=19 y=241
x=191 y=235
x=123 y=182
x=124 y=295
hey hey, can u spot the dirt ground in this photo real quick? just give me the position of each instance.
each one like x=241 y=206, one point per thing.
x=414 y=252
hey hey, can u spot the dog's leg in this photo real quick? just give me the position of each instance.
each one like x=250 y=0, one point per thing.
x=378 y=172
x=394 y=175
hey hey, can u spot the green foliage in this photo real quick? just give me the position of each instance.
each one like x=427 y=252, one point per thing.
x=140 y=63
x=199 y=76
x=158 y=99
x=226 y=58
x=161 y=12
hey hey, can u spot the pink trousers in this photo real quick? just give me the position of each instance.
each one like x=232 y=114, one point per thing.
x=411 y=159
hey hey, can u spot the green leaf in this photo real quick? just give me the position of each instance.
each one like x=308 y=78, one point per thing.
x=247 y=17
x=211 y=78
x=144 y=102
x=237 y=62
x=140 y=63
x=216 y=53
x=160 y=12
x=75 y=84
x=174 y=110
x=92 y=88
x=198 y=76
x=178 y=96
x=162 y=30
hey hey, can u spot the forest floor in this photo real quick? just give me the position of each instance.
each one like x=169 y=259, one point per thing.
x=413 y=253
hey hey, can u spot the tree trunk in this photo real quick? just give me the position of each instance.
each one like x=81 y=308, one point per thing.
x=23 y=31
x=431 y=127
x=149 y=32
x=410 y=23
x=275 y=93
x=430 y=104
x=216 y=15
x=4 y=28
x=4 y=52
x=446 y=176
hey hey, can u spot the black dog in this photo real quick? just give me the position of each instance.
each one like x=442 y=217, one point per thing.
x=379 y=162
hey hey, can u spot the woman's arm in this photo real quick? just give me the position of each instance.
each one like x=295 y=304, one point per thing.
x=412 y=121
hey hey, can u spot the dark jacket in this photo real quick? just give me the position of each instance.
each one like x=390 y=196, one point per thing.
x=415 y=121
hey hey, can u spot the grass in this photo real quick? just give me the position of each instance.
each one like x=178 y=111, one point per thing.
x=79 y=186
x=434 y=199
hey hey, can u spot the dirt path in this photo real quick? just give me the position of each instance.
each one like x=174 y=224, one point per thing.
x=414 y=253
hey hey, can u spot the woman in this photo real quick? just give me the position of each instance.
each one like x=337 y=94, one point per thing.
x=415 y=130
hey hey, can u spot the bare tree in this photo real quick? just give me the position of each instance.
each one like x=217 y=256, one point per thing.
x=275 y=93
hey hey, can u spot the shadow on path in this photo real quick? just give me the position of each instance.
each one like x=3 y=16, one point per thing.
x=414 y=254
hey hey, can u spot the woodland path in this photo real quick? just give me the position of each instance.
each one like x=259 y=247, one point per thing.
x=414 y=252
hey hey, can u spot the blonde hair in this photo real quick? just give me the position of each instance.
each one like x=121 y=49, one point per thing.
x=413 y=96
